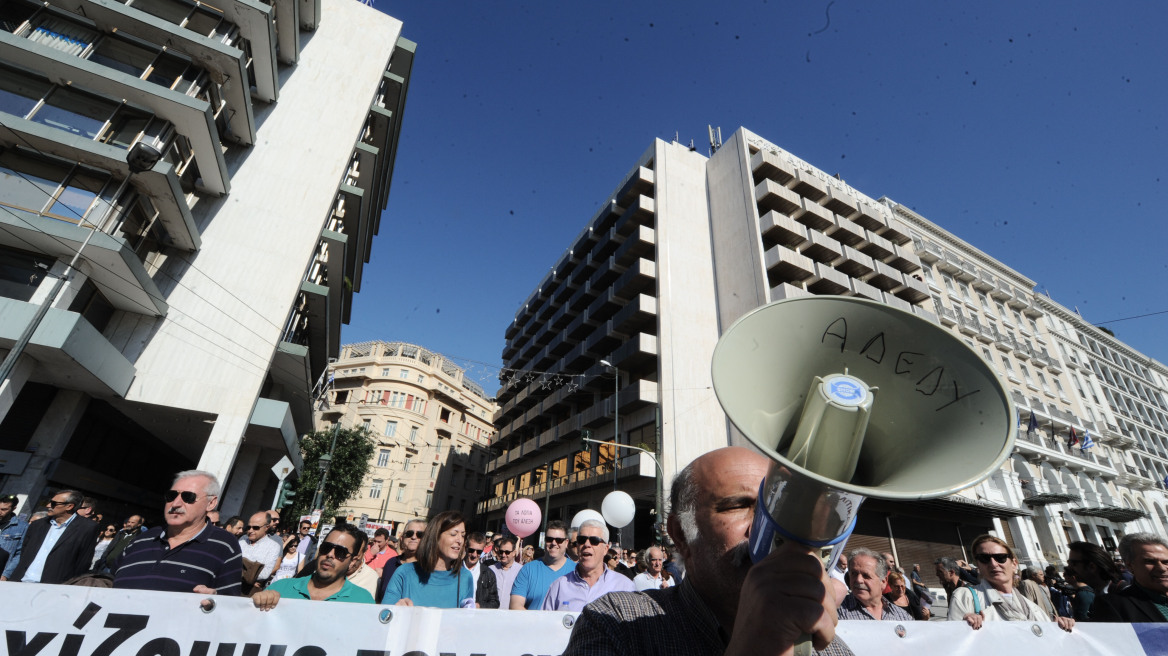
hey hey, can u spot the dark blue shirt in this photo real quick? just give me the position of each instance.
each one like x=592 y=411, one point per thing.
x=211 y=558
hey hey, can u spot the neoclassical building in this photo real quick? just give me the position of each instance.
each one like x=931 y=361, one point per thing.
x=432 y=425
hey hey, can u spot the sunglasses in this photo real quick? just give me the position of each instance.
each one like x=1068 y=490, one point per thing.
x=257 y=528
x=505 y=552
x=409 y=534
x=985 y=558
x=473 y=551
x=54 y=504
x=333 y=548
x=187 y=496
x=557 y=540
x=593 y=540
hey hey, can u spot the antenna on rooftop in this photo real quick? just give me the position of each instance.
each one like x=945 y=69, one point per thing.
x=715 y=142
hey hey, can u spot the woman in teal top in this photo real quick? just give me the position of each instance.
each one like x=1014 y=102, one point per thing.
x=438 y=578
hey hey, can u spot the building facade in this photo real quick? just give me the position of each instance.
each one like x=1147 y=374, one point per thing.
x=769 y=226
x=219 y=235
x=431 y=423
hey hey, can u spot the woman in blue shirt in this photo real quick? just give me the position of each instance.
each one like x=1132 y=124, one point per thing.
x=438 y=578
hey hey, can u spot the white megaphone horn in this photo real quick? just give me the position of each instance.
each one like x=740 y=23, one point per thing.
x=850 y=399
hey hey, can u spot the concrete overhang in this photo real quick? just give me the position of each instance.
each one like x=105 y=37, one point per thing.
x=160 y=184
x=288 y=30
x=72 y=354
x=354 y=208
x=338 y=243
x=291 y=370
x=112 y=266
x=191 y=116
x=225 y=64
x=254 y=20
x=271 y=426
x=323 y=336
x=309 y=14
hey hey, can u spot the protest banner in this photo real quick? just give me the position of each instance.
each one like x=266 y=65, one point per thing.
x=55 y=620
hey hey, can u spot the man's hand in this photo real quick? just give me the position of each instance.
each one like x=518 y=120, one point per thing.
x=404 y=602
x=202 y=589
x=265 y=599
x=784 y=599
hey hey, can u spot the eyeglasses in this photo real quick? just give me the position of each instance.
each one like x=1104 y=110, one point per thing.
x=257 y=528
x=505 y=552
x=187 y=496
x=473 y=551
x=334 y=548
x=409 y=534
x=593 y=540
x=557 y=540
x=54 y=504
x=985 y=558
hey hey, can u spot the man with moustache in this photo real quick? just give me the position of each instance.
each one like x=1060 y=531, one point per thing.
x=188 y=553
x=130 y=529
x=329 y=580
x=725 y=605
x=56 y=550
x=867 y=578
x=590 y=579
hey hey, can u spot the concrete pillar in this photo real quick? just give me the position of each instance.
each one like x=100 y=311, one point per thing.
x=235 y=492
x=10 y=388
x=222 y=446
x=48 y=442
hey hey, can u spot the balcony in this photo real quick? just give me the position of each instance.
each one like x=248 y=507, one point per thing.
x=985 y=281
x=868 y=217
x=928 y=251
x=767 y=164
x=781 y=229
x=1002 y=292
x=903 y=259
x=885 y=277
x=809 y=186
x=814 y=216
x=640 y=243
x=639 y=315
x=821 y=248
x=946 y=315
x=854 y=264
x=1042 y=493
x=1019 y=300
x=639 y=277
x=640 y=182
x=896 y=232
x=968 y=325
x=914 y=291
x=828 y=281
x=774 y=197
x=951 y=263
x=846 y=232
x=840 y=201
x=876 y=247
x=785 y=265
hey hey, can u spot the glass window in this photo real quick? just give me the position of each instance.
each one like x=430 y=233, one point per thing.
x=409 y=463
x=429 y=497
x=375 y=489
x=75 y=112
x=76 y=198
x=404 y=374
x=434 y=471
x=413 y=434
x=383 y=458
x=401 y=492
x=19 y=275
x=390 y=428
x=125 y=126
x=122 y=55
x=174 y=11
x=29 y=183
x=18 y=93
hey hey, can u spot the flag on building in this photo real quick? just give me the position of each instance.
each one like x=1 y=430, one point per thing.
x=1033 y=425
x=1073 y=439
x=1087 y=441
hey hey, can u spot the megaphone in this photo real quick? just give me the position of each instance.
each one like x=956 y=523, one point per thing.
x=850 y=399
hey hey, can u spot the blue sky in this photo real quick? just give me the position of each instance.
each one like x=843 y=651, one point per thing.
x=1035 y=131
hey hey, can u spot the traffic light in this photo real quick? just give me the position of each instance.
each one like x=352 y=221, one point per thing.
x=287 y=493
x=585 y=445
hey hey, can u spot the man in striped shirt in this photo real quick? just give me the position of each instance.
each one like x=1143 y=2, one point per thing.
x=189 y=553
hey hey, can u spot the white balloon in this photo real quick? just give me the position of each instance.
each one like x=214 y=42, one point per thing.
x=584 y=515
x=618 y=509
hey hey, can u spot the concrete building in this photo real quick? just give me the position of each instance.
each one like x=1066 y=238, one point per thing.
x=687 y=244
x=211 y=286
x=432 y=425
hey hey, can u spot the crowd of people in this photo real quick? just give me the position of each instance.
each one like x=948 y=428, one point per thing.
x=710 y=598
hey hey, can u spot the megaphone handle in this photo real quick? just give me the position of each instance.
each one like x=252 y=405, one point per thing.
x=803 y=646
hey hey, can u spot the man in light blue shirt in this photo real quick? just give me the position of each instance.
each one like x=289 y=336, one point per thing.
x=590 y=579
x=61 y=546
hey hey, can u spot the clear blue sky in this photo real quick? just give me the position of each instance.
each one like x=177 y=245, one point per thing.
x=1038 y=132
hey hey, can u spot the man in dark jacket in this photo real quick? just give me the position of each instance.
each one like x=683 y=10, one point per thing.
x=486 y=589
x=130 y=530
x=1146 y=599
x=60 y=547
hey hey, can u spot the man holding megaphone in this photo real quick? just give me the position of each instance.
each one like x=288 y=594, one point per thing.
x=725 y=605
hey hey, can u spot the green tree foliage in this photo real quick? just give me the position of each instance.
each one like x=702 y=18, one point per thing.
x=350 y=463
x=1106 y=330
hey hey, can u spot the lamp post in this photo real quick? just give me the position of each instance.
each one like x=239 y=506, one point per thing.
x=141 y=157
x=615 y=418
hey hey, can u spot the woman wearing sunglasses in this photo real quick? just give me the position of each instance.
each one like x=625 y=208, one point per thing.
x=104 y=540
x=436 y=579
x=995 y=597
x=291 y=560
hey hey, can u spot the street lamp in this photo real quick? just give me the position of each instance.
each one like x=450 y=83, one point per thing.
x=615 y=417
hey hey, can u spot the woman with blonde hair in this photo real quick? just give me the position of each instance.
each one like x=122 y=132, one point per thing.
x=995 y=598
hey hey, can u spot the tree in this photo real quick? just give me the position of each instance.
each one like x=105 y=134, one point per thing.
x=350 y=463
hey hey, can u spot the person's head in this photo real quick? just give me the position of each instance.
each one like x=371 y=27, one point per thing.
x=63 y=504
x=443 y=540
x=1032 y=574
x=867 y=574
x=591 y=545
x=108 y=532
x=1091 y=564
x=257 y=526
x=571 y=551
x=305 y=528
x=234 y=526
x=654 y=560
x=290 y=544
x=505 y=550
x=557 y=540
x=336 y=554
x=946 y=569
x=475 y=543
x=391 y=542
x=528 y=553
x=191 y=495
x=890 y=559
x=88 y=507
x=380 y=539
x=711 y=509
x=273 y=522
x=896 y=584
x=213 y=516
x=612 y=558
x=132 y=523
x=38 y=515
x=995 y=562
x=412 y=535
x=917 y=568
x=7 y=505
x=1146 y=555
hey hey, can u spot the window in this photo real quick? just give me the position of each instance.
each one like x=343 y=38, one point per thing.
x=421 y=378
x=928 y=271
x=385 y=372
x=390 y=428
x=1034 y=325
x=401 y=492
x=366 y=425
x=409 y=463
x=1026 y=374
x=444 y=415
x=948 y=280
x=405 y=374
x=965 y=292
x=988 y=358
x=985 y=302
x=429 y=498
x=1002 y=311
x=1059 y=386
x=383 y=458
x=375 y=489
x=1042 y=381
x=434 y=471
x=413 y=434
x=342 y=397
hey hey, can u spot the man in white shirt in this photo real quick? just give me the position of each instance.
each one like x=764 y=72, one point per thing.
x=653 y=578
x=505 y=568
x=256 y=547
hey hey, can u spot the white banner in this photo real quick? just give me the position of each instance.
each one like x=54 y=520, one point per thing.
x=53 y=620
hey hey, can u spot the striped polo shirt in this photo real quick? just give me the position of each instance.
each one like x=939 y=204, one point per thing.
x=211 y=558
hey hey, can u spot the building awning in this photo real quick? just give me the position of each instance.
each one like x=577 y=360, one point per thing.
x=1047 y=498
x=1113 y=513
x=958 y=504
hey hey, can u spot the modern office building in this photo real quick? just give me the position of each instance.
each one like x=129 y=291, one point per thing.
x=687 y=244
x=431 y=424
x=219 y=173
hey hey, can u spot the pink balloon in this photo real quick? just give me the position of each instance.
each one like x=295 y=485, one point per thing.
x=523 y=517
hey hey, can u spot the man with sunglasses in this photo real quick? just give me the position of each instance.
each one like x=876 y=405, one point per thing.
x=590 y=579
x=329 y=580
x=486 y=590
x=258 y=548
x=188 y=553
x=60 y=548
x=505 y=568
x=531 y=586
